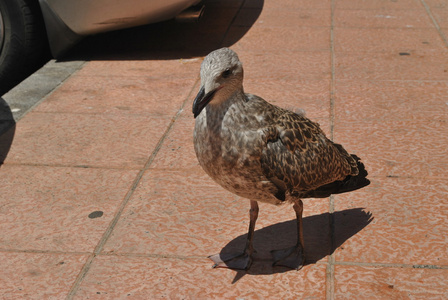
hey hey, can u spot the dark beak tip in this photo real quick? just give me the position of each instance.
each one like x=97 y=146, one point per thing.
x=197 y=102
x=201 y=101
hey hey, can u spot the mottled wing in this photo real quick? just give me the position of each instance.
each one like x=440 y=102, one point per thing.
x=298 y=157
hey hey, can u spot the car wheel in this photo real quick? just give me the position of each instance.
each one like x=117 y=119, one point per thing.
x=23 y=41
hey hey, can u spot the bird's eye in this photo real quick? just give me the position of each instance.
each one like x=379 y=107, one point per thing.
x=226 y=73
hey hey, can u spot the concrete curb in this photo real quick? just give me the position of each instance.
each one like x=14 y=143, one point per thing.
x=33 y=90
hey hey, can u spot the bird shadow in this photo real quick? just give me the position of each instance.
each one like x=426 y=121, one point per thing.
x=222 y=25
x=7 y=129
x=323 y=234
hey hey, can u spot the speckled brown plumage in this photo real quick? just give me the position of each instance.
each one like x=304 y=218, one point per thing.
x=260 y=151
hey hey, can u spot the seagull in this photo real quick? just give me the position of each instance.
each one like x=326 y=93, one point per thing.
x=264 y=153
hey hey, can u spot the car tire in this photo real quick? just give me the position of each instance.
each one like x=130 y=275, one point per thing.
x=23 y=41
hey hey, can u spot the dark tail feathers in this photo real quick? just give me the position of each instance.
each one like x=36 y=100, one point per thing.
x=350 y=183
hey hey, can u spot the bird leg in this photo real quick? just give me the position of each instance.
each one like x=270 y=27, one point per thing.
x=240 y=261
x=293 y=257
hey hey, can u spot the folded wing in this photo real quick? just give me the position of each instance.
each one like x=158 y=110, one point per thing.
x=299 y=158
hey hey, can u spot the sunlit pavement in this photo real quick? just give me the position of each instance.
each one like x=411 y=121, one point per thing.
x=101 y=195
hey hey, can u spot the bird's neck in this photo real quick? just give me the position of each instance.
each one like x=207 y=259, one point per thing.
x=225 y=97
x=218 y=108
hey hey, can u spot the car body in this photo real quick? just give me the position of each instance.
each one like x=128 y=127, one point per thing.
x=29 y=27
x=67 y=21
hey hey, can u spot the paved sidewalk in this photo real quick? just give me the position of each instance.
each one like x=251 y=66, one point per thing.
x=101 y=195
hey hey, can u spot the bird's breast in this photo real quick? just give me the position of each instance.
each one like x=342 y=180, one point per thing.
x=231 y=157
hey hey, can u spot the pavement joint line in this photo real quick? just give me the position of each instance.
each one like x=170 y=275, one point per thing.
x=330 y=289
x=182 y=257
x=70 y=166
x=187 y=257
x=395 y=80
x=332 y=70
x=33 y=251
x=152 y=255
x=391 y=265
x=394 y=51
x=15 y=164
x=436 y=24
x=329 y=273
x=299 y=51
x=379 y=27
x=221 y=43
x=139 y=176
x=82 y=274
x=85 y=269
x=141 y=114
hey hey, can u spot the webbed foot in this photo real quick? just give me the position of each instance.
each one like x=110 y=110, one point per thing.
x=292 y=257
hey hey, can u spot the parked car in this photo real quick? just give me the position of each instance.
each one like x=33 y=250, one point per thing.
x=28 y=28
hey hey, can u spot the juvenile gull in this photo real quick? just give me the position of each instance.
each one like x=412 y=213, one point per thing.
x=264 y=153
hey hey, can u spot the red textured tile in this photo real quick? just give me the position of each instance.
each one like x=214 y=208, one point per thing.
x=313 y=96
x=382 y=18
x=289 y=5
x=225 y=4
x=390 y=108
x=223 y=14
x=186 y=213
x=168 y=211
x=120 y=95
x=124 y=141
x=385 y=5
x=37 y=275
x=437 y=4
x=248 y=17
x=441 y=16
x=408 y=40
x=119 y=277
x=288 y=18
x=46 y=208
x=390 y=100
x=408 y=225
x=177 y=151
x=392 y=66
x=397 y=148
x=274 y=38
x=166 y=69
x=268 y=67
x=353 y=282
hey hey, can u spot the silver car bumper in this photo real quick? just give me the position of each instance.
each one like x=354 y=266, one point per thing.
x=67 y=21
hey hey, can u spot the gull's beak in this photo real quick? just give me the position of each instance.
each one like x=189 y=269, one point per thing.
x=201 y=101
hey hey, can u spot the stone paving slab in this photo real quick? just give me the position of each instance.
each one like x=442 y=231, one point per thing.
x=101 y=195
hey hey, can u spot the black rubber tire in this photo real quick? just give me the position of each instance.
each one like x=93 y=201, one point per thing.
x=24 y=42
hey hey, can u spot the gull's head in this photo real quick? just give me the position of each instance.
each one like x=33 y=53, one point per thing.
x=221 y=76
